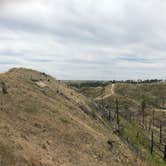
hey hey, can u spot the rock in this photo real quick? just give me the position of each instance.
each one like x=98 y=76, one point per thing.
x=4 y=87
x=110 y=143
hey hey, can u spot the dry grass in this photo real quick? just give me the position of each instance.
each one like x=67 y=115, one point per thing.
x=45 y=126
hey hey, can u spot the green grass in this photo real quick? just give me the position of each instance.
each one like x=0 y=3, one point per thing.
x=139 y=142
x=152 y=93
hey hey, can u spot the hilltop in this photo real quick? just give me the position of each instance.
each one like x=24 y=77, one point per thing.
x=43 y=122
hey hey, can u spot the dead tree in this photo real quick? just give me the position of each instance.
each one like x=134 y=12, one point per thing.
x=152 y=143
x=160 y=132
x=150 y=123
x=153 y=116
x=109 y=115
x=143 y=107
x=109 y=112
x=164 y=153
x=117 y=113
x=4 y=88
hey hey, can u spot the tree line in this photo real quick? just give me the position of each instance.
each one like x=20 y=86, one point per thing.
x=87 y=84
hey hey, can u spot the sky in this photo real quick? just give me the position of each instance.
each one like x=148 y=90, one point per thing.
x=85 y=39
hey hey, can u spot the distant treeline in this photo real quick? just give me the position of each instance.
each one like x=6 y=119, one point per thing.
x=80 y=84
x=138 y=81
x=88 y=84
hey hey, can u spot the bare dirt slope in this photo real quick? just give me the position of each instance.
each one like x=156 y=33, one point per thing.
x=44 y=123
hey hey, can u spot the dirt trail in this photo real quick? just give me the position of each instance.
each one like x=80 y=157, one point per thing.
x=109 y=91
x=113 y=89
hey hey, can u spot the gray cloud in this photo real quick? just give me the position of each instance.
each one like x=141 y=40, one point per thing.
x=86 y=39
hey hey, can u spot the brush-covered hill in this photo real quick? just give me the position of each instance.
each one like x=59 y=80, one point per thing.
x=131 y=94
x=45 y=123
x=142 y=109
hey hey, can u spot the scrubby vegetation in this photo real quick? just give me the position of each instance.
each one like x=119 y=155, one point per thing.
x=86 y=84
x=142 y=116
x=81 y=84
x=44 y=122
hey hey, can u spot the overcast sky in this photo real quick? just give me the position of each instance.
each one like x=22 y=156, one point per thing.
x=85 y=39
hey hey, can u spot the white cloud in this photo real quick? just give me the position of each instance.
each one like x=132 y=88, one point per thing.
x=85 y=39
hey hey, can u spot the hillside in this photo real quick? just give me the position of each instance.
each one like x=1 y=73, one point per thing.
x=130 y=95
x=45 y=123
x=140 y=112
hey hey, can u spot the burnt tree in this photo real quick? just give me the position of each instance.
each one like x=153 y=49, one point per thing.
x=117 y=113
x=160 y=132
x=109 y=112
x=153 y=115
x=143 y=107
x=164 y=153
x=152 y=143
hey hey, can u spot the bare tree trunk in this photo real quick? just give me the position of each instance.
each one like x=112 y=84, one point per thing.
x=109 y=115
x=160 y=132
x=165 y=153
x=143 y=107
x=143 y=118
x=152 y=143
x=117 y=113
x=150 y=122
x=153 y=116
